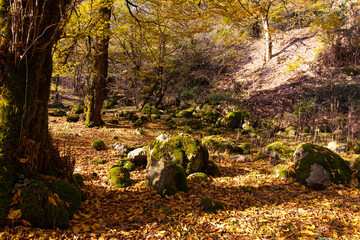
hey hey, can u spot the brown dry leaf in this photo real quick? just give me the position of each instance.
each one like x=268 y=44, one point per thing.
x=14 y=214
x=23 y=160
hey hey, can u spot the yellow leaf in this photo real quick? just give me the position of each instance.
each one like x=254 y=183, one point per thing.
x=14 y=214
x=86 y=228
x=307 y=232
x=76 y=229
x=52 y=201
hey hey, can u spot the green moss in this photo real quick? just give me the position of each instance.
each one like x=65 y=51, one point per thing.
x=235 y=119
x=125 y=163
x=280 y=149
x=98 y=145
x=209 y=114
x=339 y=170
x=100 y=161
x=78 y=179
x=211 y=206
x=119 y=177
x=78 y=109
x=154 y=117
x=149 y=109
x=187 y=113
x=57 y=113
x=68 y=193
x=283 y=172
x=246 y=148
x=42 y=208
x=199 y=176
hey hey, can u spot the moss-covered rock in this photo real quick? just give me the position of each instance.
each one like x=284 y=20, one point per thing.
x=212 y=169
x=98 y=144
x=198 y=176
x=278 y=150
x=69 y=194
x=283 y=172
x=114 y=121
x=317 y=167
x=166 y=178
x=100 y=161
x=154 y=117
x=78 y=179
x=42 y=208
x=119 y=177
x=138 y=157
x=149 y=109
x=337 y=147
x=187 y=113
x=57 y=113
x=209 y=114
x=211 y=206
x=78 y=109
x=49 y=204
x=72 y=118
x=125 y=163
x=182 y=150
x=218 y=145
x=235 y=119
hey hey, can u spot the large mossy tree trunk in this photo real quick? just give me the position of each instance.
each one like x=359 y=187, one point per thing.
x=98 y=90
x=28 y=32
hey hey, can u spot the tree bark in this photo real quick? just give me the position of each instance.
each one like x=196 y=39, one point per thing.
x=25 y=77
x=268 y=40
x=98 y=90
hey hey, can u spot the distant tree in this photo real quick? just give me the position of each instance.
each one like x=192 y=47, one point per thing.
x=249 y=12
x=97 y=91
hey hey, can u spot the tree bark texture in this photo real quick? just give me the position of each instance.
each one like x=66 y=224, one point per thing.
x=98 y=90
x=268 y=40
x=28 y=31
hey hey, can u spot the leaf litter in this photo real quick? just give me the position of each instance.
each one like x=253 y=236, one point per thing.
x=258 y=205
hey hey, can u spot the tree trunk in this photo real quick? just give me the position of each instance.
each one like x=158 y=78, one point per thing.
x=268 y=40
x=25 y=77
x=97 y=90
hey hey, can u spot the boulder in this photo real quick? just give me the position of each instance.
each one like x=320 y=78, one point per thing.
x=166 y=178
x=337 y=147
x=278 y=150
x=182 y=150
x=122 y=148
x=235 y=119
x=171 y=160
x=317 y=167
x=138 y=156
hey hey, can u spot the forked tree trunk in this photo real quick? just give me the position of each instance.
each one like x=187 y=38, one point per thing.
x=25 y=76
x=97 y=90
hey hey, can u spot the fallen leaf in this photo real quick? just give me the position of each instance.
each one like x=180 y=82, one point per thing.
x=14 y=214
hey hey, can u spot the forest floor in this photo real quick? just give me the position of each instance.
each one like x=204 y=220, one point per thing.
x=259 y=204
